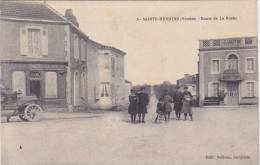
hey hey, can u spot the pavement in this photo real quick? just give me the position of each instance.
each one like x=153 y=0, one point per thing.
x=59 y=115
x=217 y=136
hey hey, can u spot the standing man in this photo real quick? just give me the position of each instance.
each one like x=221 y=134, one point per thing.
x=177 y=99
x=133 y=105
x=168 y=101
x=143 y=102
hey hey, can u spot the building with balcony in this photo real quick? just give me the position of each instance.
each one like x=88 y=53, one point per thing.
x=228 y=71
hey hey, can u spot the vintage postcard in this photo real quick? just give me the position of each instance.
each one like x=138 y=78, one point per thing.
x=129 y=82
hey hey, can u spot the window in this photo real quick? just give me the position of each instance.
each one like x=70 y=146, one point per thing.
x=76 y=88
x=215 y=66
x=121 y=67
x=83 y=85
x=83 y=49
x=250 y=65
x=51 y=85
x=76 y=46
x=104 y=89
x=250 y=88
x=34 y=41
x=213 y=89
x=113 y=66
x=106 y=62
x=18 y=82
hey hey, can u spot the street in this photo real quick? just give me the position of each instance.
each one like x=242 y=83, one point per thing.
x=109 y=139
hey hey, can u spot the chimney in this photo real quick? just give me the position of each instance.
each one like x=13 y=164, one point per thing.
x=69 y=15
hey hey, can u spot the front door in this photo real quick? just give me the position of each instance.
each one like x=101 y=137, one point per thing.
x=232 y=93
x=35 y=88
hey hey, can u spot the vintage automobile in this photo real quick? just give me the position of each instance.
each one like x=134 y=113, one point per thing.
x=28 y=108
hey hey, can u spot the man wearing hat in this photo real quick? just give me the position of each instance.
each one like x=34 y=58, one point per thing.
x=177 y=99
x=143 y=102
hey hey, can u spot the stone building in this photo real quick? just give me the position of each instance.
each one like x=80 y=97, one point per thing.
x=46 y=54
x=106 y=82
x=228 y=70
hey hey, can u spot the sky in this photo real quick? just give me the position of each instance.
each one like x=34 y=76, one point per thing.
x=160 y=51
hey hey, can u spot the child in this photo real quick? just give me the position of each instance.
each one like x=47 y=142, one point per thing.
x=160 y=110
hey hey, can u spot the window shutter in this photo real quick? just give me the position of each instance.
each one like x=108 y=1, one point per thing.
x=97 y=93
x=44 y=42
x=23 y=41
x=243 y=89
x=209 y=89
x=255 y=89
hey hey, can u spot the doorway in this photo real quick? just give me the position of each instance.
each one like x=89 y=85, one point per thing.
x=35 y=88
x=232 y=93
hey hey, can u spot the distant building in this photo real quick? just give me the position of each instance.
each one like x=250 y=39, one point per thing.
x=192 y=82
x=44 y=53
x=228 y=70
x=128 y=87
x=106 y=83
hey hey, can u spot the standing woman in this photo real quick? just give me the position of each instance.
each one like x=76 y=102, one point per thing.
x=168 y=101
x=133 y=105
x=186 y=108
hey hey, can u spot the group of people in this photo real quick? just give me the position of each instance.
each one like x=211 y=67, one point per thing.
x=138 y=105
x=180 y=102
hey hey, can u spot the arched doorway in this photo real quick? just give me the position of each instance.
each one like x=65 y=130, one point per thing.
x=232 y=67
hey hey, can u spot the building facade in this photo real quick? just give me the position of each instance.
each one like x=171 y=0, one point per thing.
x=44 y=53
x=106 y=81
x=228 y=70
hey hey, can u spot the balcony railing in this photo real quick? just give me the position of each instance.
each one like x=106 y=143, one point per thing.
x=228 y=43
x=231 y=65
x=231 y=72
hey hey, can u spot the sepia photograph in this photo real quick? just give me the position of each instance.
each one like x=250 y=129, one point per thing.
x=96 y=82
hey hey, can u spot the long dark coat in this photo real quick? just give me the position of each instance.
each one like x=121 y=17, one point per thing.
x=177 y=99
x=133 y=104
x=143 y=102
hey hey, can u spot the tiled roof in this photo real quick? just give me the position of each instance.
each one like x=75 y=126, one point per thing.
x=27 y=10
x=40 y=11
x=105 y=47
